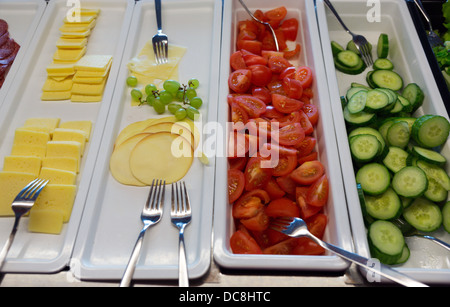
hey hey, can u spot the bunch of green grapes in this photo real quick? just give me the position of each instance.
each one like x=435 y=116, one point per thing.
x=181 y=100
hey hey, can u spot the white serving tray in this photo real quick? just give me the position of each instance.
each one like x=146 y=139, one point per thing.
x=429 y=262
x=111 y=221
x=33 y=252
x=23 y=17
x=338 y=229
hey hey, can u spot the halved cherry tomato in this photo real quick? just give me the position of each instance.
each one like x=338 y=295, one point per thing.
x=274 y=237
x=285 y=247
x=304 y=75
x=288 y=72
x=238 y=145
x=238 y=114
x=282 y=207
x=256 y=177
x=270 y=53
x=237 y=163
x=249 y=204
x=306 y=124
x=308 y=92
x=276 y=14
x=252 y=46
x=276 y=87
x=286 y=164
x=312 y=112
x=290 y=28
x=252 y=59
x=308 y=173
x=259 y=222
x=254 y=107
x=247 y=25
x=287 y=184
x=289 y=54
x=278 y=64
x=306 y=146
x=306 y=211
x=312 y=156
x=306 y=246
x=262 y=93
x=291 y=134
x=246 y=35
x=318 y=193
x=272 y=113
x=243 y=243
x=240 y=80
x=236 y=183
x=278 y=149
x=317 y=224
x=237 y=61
x=294 y=117
x=261 y=74
x=273 y=189
x=260 y=128
x=293 y=88
x=285 y=104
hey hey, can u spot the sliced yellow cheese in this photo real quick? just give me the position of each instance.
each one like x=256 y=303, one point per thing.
x=58 y=176
x=60 y=69
x=74 y=34
x=64 y=149
x=57 y=197
x=28 y=150
x=69 y=54
x=49 y=221
x=71 y=43
x=63 y=134
x=100 y=63
x=22 y=164
x=23 y=136
x=84 y=19
x=62 y=163
x=75 y=27
x=51 y=85
x=84 y=125
x=86 y=98
x=50 y=96
x=11 y=183
x=49 y=124
x=89 y=11
x=132 y=129
x=88 y=80
x=88 y=89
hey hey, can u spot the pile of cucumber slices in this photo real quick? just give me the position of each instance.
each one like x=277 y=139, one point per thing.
x=399 y=168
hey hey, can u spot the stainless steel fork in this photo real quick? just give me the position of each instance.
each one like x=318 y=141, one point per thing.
x=181 y=216
x=296 y=227
x=151 y=214
x=360 y=41
x=21 y=205
x=433 y=38
x=160 y=40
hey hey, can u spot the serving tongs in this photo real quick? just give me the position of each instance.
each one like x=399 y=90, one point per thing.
x=262 y=22
x=433 y=38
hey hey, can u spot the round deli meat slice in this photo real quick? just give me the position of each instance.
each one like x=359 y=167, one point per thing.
x=3 y=27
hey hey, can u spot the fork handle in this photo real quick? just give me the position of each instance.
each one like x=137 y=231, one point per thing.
x=380 y=268
x=422 y=10
x=158 y=14
x=10 y=240
x=183 y=276
x=337 y=16
x=131 y=266
x=436 y=240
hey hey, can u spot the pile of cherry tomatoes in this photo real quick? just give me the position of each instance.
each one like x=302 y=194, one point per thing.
x=269 y=95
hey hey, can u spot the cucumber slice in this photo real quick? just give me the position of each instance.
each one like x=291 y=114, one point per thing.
x=352 y=46
x=396 y=158
x=348 y=58
x=410 y=181
x=407 y=106
x=369 y=79
x=435 y=191
x=423 y=215
x=446 y=216
x=398 y=134
x=352 y=91
x=415 y=95
x=386 y=79
x=336 y=48
x=359 y=119
x=430 y=130
x=372 y=131
x=356 y=70
x=396 y=109
x=376 y=100
x=429 y=156
x=436 y=172
x=383 y=46
x=374 y=178
x=405 y=255
x=385 y=206
x=357 y=102
x=364 y=147
x=386 y=242
x=356 y=84
x=383 y=64
x=384 y=127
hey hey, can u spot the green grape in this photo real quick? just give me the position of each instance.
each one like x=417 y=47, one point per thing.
x=136 y=94
x=132 y=81
x=150 y=88
x=165 y=97
x=196 y=102
x=159 y=107
x=179 y=95
x=151 y=99
x=180 y=114
x=173 y=107
x=191 y=93
x=192 y=113
x=171 y=86
x=194 y=83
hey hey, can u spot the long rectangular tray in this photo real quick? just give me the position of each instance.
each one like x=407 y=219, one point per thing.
x=111 y=221
x=33 y=252
x=23 y=17
x=338 y=229
x=429 y=262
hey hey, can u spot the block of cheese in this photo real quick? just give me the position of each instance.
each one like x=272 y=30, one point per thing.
x=69 y=149
x=11 y=183
x=28 y=150
x=48 y=221
x=69 y=54
x=94 y=62
x=52 y=85
x=57 y=176
x=46 y=123
x=23 y=136
x=22 y=164
x=84 y=125
x=89 y=11
x=88 y=89
x=49 y=96
x=57 y=197
x=57 y=69
x=64 y=134
x=84 y=19
x=71 y=43
x=87 y=80
x=74 y=34
x=79 y=25
x=62 y=163
x=86 y=98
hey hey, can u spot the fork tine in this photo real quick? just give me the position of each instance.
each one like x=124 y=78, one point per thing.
x=186 y=199
x=27 y=188
x=37 y=190
x=159 y=198
x=150 y=195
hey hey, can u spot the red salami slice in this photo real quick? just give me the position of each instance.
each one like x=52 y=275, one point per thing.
x=4 y=38
x=3 y=27
x=7 y=49
x=9 y=59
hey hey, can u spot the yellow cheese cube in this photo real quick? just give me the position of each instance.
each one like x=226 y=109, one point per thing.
x=94 y=63
x=62 y=163
x=57 y=197
x=64 y=149
x=63 y=134
x=50 y=96
x=48 y=221
x=30 y=137
x=47 y=123
x=11 y=183
x=88 y=89
x=69 y=54
x=22 y=164
x=57 y=176
x=84 y=125
x=51 y=85
x=28 y=150
x=71 y=43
